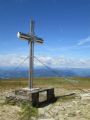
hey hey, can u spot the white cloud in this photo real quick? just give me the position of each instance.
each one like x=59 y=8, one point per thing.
x=63 y=62
x=15 y=60
x=84 y=41
x=12 y=60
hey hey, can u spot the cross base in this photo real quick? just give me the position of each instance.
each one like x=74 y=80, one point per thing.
x=32 y=95
x=30 y=89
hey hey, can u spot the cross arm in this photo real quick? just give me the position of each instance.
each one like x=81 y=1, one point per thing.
x=30 y=37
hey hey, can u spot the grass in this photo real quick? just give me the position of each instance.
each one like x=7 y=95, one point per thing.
x=75 y=82
x=28 y=111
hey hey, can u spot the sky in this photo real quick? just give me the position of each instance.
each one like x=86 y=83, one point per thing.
x=63 y=24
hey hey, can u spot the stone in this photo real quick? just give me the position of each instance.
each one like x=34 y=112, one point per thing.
x=85 y=96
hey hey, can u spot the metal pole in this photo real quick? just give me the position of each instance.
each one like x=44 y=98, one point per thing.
x=31 y=65
x=31 y=59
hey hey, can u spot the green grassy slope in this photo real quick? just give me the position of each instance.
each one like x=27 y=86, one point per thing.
x=46 y=82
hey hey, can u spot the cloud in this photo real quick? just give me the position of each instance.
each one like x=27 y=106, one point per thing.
x=84 y=41
x=59 y=62
x=11 y=60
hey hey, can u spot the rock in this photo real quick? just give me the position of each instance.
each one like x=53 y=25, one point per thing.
x=85 y=96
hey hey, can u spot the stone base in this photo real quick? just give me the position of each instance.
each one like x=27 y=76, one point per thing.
x=31 y=95
x=30 y=90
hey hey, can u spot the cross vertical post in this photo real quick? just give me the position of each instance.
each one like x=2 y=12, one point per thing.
x=31 y=55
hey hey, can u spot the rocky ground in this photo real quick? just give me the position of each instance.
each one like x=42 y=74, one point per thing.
x=8 y=112
x=67 y=107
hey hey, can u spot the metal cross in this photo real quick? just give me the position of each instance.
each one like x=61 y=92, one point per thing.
x=31 y=40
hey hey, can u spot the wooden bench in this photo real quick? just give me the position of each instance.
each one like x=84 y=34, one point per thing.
x=34 y=94
x=49 y=92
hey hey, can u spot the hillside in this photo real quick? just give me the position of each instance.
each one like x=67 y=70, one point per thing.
x=67 y=107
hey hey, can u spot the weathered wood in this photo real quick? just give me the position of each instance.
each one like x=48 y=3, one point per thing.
x=50 y=95
x=35 y=99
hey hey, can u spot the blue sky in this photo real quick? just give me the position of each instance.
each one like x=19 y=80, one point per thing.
x=63 y=24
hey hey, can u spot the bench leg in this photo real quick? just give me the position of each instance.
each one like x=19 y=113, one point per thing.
x=50 y=95
x=35 y=99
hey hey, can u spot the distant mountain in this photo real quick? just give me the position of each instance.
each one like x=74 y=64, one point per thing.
x=41 y=72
